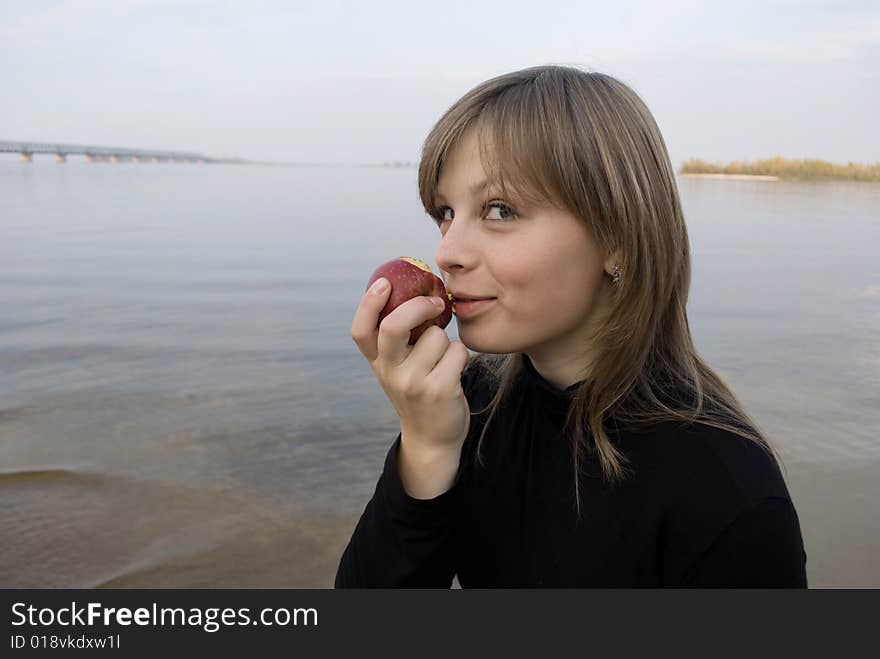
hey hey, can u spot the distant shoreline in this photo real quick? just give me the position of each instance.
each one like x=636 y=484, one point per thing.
x=734 y=177
x=774 y=169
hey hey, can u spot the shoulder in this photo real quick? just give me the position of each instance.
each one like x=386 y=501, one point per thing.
x=699 y=458
x=719 y=490
x=761 y=547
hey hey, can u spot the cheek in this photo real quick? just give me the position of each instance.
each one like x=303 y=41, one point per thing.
x=556 y=291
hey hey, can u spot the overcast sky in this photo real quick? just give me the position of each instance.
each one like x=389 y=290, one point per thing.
x=363 y=82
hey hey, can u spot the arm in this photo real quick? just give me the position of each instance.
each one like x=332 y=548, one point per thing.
x=761 y=548
x=401 y=541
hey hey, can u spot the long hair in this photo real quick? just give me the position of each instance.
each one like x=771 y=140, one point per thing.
x=587 y=143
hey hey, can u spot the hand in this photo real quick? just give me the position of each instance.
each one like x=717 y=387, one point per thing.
x=423 y=382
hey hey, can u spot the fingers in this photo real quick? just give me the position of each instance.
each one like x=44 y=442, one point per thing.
x=447 y=372
x=433 y=366
x=393 y=340
x=364 y=328
x=428 y=350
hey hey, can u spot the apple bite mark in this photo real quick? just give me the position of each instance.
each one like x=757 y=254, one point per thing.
x=417 y=262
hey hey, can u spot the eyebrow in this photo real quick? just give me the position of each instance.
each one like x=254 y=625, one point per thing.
x=476 y=187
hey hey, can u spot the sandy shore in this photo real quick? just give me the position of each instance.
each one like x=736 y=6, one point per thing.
x=118 y=533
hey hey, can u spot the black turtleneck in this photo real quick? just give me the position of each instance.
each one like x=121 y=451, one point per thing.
x=702 y=508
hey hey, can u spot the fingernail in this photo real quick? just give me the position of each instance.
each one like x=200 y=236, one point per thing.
x=379 y=286
x=438 y=302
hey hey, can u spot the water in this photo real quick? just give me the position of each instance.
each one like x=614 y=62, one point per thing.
x=181 y=403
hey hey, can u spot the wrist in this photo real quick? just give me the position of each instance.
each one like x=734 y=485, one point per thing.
x=426 y=472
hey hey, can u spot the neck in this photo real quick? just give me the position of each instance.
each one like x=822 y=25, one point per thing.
x=560 y=372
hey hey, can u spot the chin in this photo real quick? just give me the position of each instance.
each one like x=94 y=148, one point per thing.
x=485 y=341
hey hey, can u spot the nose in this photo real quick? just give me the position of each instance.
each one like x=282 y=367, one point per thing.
x=458 y=249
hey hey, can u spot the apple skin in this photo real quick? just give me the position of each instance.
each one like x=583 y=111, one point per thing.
x=411 y=277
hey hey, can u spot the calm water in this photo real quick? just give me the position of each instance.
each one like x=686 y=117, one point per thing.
x=181 y=403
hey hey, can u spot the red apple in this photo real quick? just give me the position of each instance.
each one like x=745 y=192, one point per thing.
x=410 y=278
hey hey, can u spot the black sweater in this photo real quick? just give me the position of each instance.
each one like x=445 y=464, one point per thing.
x=703 y=508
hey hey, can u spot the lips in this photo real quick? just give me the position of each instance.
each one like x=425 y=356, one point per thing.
x=466 y=304
x=465 y=309
x=461 y=296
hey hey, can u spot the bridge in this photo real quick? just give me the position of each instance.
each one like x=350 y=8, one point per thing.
x=26 y=151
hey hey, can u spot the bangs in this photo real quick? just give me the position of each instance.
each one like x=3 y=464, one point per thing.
x=514 y=155
x=516 y=151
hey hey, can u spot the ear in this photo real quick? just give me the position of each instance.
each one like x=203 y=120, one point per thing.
x=612 y=260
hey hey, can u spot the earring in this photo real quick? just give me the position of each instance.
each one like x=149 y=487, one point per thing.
x=616 y=275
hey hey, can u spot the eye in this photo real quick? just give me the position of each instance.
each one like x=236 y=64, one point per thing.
x=440 y=214
x=504 y=212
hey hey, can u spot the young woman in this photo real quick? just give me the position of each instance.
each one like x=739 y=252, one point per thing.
x=602 y=450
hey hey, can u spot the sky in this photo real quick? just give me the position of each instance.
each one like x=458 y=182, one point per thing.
x=363 y=82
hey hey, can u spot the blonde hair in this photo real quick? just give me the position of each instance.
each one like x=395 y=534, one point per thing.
x=587 y=143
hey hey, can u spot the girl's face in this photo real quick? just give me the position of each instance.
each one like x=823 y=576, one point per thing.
x=542 y=266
